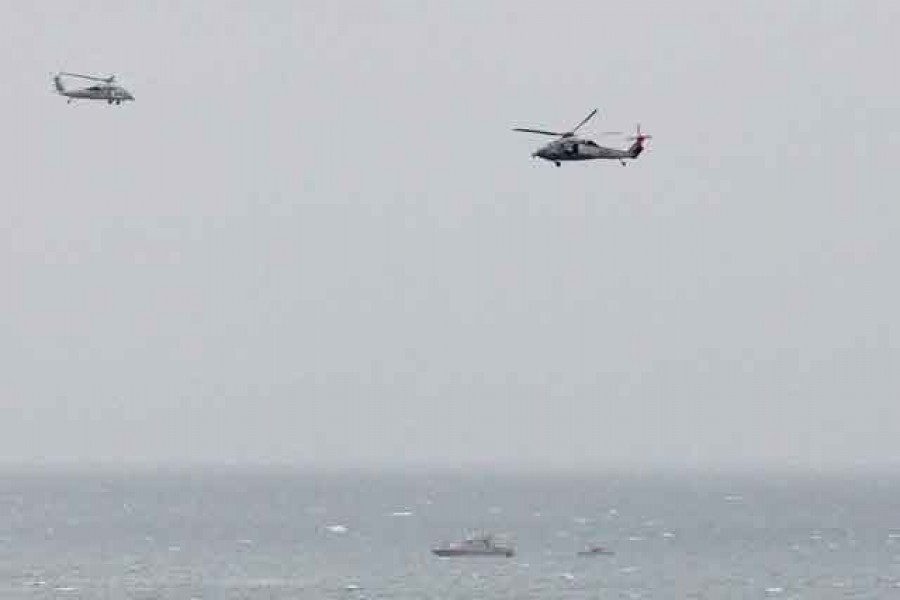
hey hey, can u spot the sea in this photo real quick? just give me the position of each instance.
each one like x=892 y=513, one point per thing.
x=267 y=533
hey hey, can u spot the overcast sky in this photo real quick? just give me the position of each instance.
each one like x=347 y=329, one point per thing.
x=313 y=238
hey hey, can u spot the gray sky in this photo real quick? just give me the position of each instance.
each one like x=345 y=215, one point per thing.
x=313 y=238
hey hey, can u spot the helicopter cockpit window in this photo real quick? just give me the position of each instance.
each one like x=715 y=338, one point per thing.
x=591 y=144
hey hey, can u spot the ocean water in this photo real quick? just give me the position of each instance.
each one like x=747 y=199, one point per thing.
x=229 y=534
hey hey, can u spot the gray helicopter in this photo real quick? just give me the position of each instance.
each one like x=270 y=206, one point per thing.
x=104 y=89
x=570 y=147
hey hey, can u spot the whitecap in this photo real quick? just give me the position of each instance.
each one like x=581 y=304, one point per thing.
x=402 y=513
x=774 y=591
x=336 y=529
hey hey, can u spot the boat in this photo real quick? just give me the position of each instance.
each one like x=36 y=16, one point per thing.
x=596 y=551
x=476 y=545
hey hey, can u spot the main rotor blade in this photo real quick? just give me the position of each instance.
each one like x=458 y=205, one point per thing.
x=585 y=120
x=109 y=79
x=541 y=131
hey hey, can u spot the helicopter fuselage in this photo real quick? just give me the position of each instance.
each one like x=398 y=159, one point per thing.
x=109 y=93
x=572 y=148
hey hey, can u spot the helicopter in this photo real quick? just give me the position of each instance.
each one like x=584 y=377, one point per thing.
x=104 y=89
x=570 y=147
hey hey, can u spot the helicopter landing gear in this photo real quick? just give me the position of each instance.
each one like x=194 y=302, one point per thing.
x=109 y=101
x=558 y=164
x=622 y=162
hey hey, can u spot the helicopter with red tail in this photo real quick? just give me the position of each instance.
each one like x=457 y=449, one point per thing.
x=568 y=146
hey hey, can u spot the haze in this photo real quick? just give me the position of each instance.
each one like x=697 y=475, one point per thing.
x=314 y=240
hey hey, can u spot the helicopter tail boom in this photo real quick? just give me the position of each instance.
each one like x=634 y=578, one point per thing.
x=636 y=148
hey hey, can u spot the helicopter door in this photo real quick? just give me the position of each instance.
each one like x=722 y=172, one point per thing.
x=571 y=149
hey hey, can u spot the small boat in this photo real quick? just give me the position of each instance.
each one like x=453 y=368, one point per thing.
x=477 y=545
x=596 y=551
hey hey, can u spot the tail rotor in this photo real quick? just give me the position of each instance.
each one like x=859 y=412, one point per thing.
x=638 y=138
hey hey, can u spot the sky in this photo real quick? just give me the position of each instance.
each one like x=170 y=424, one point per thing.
x=313 y=239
